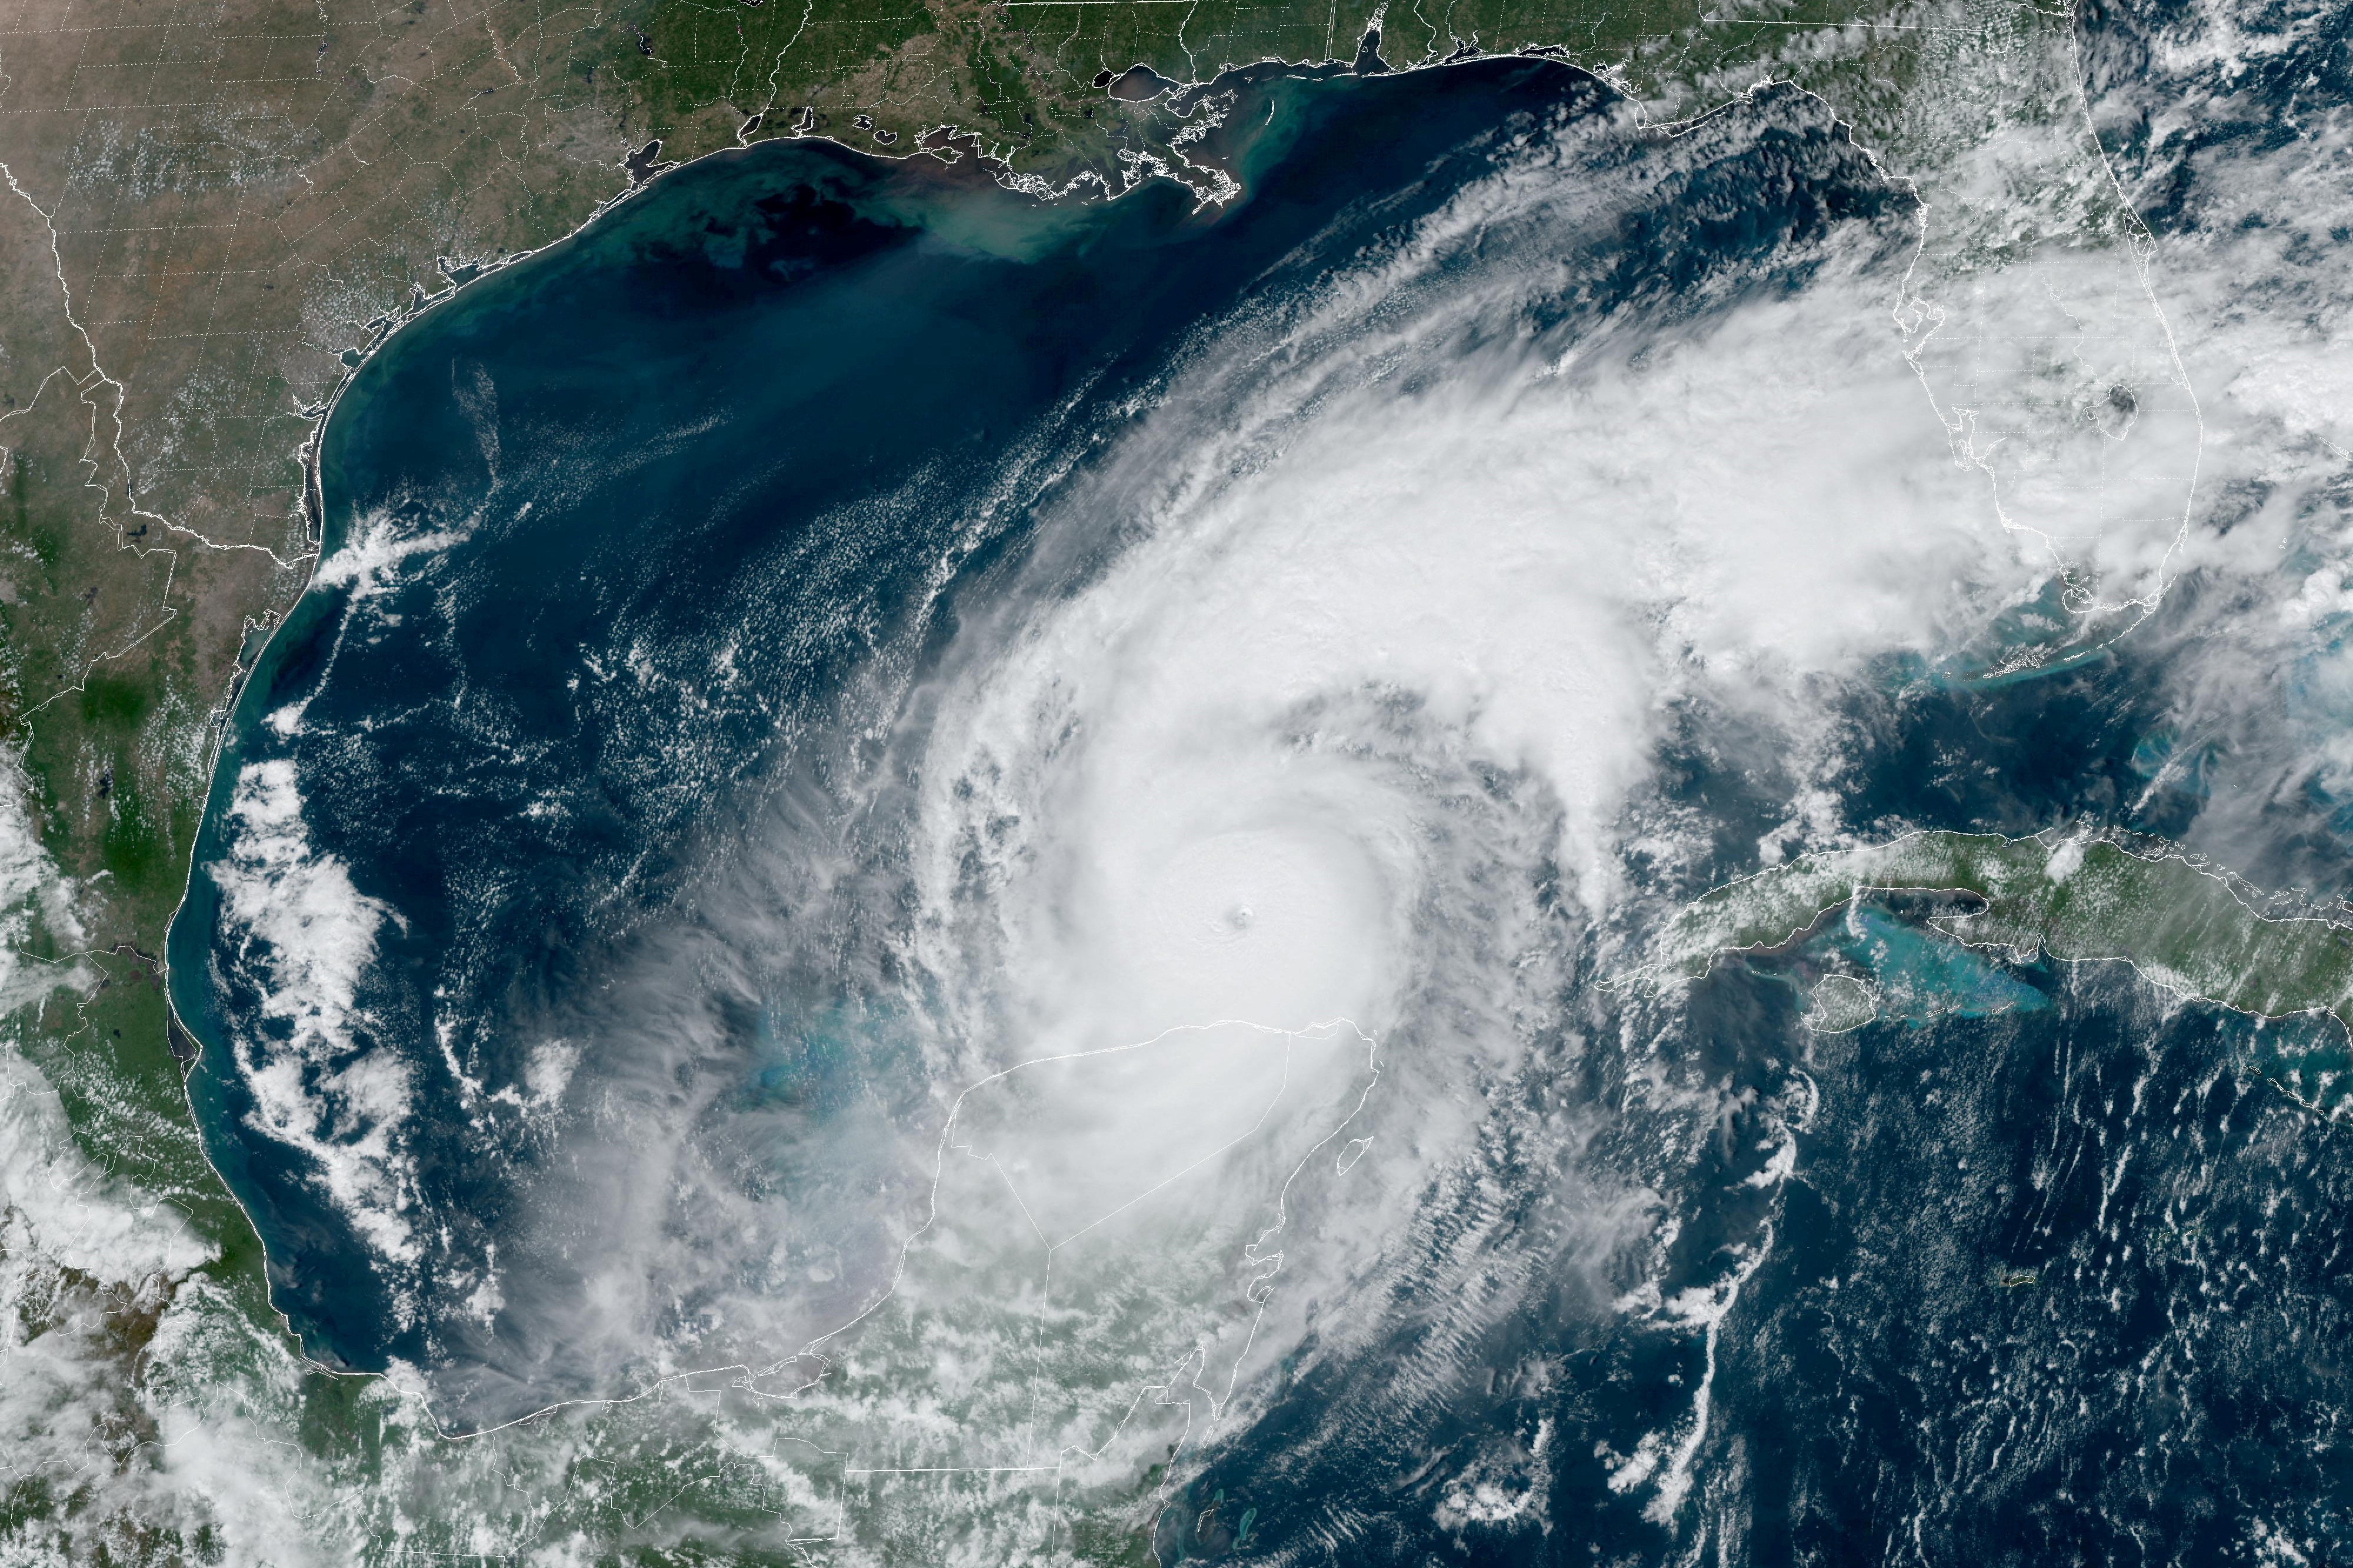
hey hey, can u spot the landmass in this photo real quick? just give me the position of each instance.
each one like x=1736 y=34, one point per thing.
x=2185 y=926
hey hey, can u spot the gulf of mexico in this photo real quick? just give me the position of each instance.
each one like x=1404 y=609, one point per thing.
x=610 y=536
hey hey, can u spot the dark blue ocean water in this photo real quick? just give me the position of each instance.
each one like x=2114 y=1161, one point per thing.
x=689 y=503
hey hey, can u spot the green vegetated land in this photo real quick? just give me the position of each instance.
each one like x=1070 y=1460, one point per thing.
x=2182 y=927
x=1027 y=76
x=1026 y=82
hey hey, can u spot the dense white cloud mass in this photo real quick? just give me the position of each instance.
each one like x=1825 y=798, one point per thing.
x=1371 y=692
